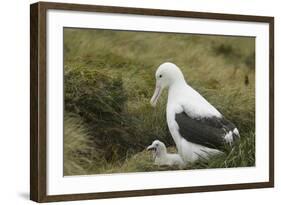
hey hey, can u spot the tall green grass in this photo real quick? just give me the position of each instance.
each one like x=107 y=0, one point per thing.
x=109 y=79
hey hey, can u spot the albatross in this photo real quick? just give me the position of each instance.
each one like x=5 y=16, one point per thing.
x=197 y=128
x=162 y=157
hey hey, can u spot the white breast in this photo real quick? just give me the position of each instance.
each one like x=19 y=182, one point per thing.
x=183 y=97
x=170 y=160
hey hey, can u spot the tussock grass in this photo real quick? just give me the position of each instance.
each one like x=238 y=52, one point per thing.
x=109 y=79
x=79 y=151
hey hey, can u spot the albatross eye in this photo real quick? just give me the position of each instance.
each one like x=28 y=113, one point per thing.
x=160 y=76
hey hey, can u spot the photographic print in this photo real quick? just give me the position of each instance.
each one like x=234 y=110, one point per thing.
x=139 y=101
x=135 y=102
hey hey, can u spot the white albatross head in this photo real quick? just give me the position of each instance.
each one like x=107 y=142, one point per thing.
x=158 y=147
x=166 y=75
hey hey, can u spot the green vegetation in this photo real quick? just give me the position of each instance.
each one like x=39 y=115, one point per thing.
x=109 y=80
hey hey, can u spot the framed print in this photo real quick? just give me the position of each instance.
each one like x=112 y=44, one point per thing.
x=134 y=102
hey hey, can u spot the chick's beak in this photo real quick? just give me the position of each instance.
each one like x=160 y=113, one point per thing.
x=150 y=147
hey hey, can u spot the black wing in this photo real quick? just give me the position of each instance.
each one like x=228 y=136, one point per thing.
x=208 y=132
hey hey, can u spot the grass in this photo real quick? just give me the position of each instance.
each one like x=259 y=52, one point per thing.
x=79 y=156
x=109 y=79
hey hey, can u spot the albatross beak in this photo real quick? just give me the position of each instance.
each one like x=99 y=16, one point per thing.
x=156 y=95
x=150 y=147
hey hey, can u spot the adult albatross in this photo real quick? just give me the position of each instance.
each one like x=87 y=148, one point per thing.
x=198 y=128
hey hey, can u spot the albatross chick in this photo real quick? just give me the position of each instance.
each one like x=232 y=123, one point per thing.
x=162 y=157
